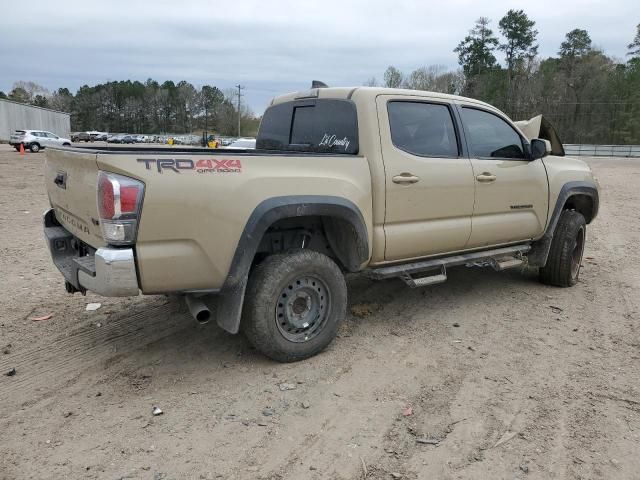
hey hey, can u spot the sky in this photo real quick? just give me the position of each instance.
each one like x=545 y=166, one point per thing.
x=270 y=47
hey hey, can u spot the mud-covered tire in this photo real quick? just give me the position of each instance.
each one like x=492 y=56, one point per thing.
x=565 y=256
x=294 y=304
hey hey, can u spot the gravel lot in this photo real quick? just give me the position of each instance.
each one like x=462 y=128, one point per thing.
x=502 y=377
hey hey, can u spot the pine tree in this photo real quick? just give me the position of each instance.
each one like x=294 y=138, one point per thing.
x=475 y=52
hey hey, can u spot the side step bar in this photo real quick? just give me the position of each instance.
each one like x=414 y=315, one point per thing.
x=426 y=280
x=499 y=258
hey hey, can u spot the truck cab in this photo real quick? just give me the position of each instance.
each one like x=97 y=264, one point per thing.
x=387 y=182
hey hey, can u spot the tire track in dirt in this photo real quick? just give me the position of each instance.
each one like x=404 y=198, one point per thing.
x=68 y=356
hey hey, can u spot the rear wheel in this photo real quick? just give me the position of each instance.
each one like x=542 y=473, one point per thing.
x=565 y=256
x=34 y=147
x=294 y=304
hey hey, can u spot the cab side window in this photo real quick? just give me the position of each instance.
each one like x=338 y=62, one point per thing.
x=489 y=136
x=423 y=129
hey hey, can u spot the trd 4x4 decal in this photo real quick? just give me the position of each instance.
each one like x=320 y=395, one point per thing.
x=200 y=166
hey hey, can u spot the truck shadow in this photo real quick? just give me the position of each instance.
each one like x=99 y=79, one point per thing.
x=386 y=303
x=159 y=335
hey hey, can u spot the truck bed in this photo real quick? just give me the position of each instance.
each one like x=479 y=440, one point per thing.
x=197 y=201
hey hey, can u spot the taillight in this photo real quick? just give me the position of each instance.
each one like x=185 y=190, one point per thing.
x=119 y=203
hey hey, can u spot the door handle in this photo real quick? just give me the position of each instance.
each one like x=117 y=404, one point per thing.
x=486 y=177
x=405 y=178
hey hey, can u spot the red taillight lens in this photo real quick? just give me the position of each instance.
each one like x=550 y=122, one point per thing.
x=119 y=203
x=129 y=198
x=106 y=206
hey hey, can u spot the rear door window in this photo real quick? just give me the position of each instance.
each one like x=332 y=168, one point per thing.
x=318 y=125
x=489 y=136
x=423 y=129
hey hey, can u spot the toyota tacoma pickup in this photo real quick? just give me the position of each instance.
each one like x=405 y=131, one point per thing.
x=386 y=182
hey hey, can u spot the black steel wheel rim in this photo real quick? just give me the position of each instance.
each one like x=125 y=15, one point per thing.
x=302 y=308
x=576 y=253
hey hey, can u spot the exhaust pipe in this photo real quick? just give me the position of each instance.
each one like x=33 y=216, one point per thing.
x=198 y=309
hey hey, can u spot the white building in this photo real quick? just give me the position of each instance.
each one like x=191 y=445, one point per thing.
x=18 y=116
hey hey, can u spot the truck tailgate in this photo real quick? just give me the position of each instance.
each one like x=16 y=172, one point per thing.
x=71 y=182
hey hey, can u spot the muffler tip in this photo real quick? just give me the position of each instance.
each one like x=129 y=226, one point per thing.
x=198 y=309
x=203 y=316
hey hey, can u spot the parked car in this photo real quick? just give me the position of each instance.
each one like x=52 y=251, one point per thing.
x=242 y=144
x=114 y=139
x=98 y=136
x=128 y=139
x=81 y=137
x=36 y=140
x=387 y=182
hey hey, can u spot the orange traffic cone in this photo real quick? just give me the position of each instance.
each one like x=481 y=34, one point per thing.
x=22 y=149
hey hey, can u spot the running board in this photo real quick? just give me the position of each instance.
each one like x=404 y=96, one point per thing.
x=498 y=258
x=426 y=280
x=500 y=264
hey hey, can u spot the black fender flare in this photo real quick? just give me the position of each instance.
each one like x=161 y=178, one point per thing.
x=537 y=256
x=231 y=296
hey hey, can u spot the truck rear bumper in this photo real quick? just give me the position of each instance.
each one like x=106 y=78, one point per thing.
x=110 y=272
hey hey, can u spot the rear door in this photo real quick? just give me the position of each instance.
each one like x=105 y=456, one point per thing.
x=511 y=191
x=17 y=136
x=428 y=178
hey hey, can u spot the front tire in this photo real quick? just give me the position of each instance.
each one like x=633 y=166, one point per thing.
x=294 y=304
x=34 y=147
x=565 y=256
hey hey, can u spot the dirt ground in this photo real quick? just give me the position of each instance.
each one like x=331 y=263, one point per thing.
x=500 y=376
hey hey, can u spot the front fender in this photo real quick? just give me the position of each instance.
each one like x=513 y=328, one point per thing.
x=539 y=252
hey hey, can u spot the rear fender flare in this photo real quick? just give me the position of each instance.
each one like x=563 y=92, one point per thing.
x=231 y=296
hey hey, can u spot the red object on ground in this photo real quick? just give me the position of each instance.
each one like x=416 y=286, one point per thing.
x=22 y=149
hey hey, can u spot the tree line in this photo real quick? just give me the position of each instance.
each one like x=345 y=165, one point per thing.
x=136 y=107
x=589 y=96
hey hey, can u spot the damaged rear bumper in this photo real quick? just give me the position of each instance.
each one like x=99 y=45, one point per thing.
x=110 y=272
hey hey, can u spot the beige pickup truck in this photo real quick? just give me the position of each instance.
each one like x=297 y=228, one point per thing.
x=390 y=183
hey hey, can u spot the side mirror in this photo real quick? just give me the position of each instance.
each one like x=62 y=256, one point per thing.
x=540 y=148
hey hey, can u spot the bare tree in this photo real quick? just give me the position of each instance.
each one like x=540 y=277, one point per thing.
x=393 y=77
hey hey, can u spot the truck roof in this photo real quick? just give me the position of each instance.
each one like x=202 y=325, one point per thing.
x=368 y=92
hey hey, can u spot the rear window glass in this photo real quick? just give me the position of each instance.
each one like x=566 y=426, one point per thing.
x=322 y=125
x=424 y=129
